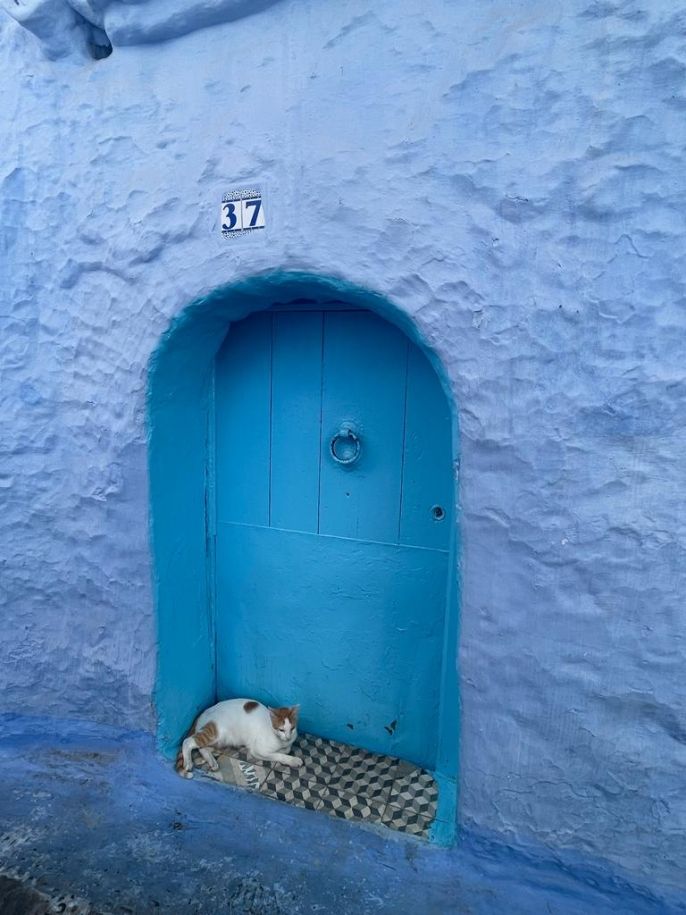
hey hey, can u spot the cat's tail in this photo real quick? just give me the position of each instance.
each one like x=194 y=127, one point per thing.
x=179 y=766
x=206 y=736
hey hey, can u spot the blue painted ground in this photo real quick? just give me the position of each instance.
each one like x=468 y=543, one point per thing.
x=95 y=812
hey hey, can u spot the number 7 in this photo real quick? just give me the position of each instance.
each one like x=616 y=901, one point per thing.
x=256 y=204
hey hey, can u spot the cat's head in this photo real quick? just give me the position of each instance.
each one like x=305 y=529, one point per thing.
x=285 y=721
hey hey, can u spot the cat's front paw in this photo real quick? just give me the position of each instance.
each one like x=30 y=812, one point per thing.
x=294 y=762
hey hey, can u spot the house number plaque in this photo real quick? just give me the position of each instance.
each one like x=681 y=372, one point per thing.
x=242 y=212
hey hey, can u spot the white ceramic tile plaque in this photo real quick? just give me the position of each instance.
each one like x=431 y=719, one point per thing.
x=242 y=212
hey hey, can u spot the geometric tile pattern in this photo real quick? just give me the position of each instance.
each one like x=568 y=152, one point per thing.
x=340 y=780
x=417 y=792
x=292 y=790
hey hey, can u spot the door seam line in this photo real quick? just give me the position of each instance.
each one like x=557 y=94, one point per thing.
x=286 y=530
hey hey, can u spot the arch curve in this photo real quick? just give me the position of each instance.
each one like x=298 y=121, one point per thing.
x=180 y=403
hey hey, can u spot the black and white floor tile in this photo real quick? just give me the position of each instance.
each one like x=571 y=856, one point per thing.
x=292 y=789
x=343 y=781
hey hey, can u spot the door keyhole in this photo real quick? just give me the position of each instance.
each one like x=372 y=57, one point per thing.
x=438 y=513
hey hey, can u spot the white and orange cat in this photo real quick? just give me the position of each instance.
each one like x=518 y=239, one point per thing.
x=266 y=733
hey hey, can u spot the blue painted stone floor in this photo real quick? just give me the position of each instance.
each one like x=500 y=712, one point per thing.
x=94 y=812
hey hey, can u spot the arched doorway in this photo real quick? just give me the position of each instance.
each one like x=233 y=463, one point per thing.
x=303 y=514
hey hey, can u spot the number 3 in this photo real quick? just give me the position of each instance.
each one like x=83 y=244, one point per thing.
x=230 y=214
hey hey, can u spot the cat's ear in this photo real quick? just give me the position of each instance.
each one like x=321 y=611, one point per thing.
x=295 y=711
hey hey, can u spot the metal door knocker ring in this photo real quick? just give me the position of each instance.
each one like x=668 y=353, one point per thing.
x=345 y=446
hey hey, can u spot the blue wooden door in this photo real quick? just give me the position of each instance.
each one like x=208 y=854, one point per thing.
x=334 y=502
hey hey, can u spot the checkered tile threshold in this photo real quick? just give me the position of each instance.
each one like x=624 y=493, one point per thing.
x=341 y=780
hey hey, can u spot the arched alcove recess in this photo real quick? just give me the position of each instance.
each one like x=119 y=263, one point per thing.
x=181 y=456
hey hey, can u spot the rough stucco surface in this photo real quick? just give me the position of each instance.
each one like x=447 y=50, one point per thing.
x=511 y=175
x=89 y=811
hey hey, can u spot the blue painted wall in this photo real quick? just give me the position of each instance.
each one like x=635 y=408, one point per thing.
x=508 y=175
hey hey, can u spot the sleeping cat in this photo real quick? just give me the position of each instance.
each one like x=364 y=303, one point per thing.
x=266 y=733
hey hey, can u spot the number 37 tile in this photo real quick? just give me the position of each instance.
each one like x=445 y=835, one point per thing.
x=242 y=211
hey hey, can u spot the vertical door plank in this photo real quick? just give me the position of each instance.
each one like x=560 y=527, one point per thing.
x=243 y=410
x=365 y=365
x=427 y=469
x=296 y=420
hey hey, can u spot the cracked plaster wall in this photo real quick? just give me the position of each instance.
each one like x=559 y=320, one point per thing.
x=509 y=173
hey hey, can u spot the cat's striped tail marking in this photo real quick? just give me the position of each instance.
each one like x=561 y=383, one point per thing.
x=179 y=756
x=205 y=737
